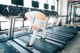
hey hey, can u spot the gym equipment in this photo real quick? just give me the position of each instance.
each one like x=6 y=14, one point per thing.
x=46 y=12
x=34 y=9
x=17 y=2
x=3 y=10
x=15 y=11
x=46 y=6
x=60 y=33
x=20 y=33
x=3 y=38
x=38 y=45
x=52 y=7
x=17 y=47
x=6 y=48
x=67 y=30
x=55 y=37
x=9 y=46
x=71 y=11
x=35 y=4
x=64 y=31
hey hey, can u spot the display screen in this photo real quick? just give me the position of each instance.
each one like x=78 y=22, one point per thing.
x=35 y=4
x=17 y=2
x=52 y=7
x=46 y=6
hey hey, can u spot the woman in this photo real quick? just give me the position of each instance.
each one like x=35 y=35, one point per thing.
x=37 y=19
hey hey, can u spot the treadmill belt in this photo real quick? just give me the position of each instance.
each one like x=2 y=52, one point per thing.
x=20 y=33
x=68 y=32
x=60 y=33
x=6 y=48
x=66 y=29
x=40 y=45
x=63 y=31
x=57 y=38
x=17 y=47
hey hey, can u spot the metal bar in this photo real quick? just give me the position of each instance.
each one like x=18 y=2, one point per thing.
x=57 y=5
x=13 y=25
x=67 y=13
x=74 y=17
x=10 y=29
x=0 y=25
x=70 y=13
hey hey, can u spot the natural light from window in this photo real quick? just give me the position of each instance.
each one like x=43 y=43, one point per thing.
x=27 y=3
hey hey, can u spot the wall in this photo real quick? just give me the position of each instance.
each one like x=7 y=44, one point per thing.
x=62 y=10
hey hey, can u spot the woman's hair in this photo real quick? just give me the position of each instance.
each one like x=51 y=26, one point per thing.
x=23 y=15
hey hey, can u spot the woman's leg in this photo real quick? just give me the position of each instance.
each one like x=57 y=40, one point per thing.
x=43 y=26
x=35 y=30
x=30 y=26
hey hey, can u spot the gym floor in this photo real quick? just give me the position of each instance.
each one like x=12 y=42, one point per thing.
x=73 y=46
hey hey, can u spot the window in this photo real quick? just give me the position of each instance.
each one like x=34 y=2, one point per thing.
x=4 y=2
x=18 y=23
x=27 y=23
x=27 y=3
x=5 y=23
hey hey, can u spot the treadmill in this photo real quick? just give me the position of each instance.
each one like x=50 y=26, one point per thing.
x=55 y=37
x=38 y=45
x=9 y=46
x=58 y=35
x=60 y=32
x=4 y=46
x=67 y=30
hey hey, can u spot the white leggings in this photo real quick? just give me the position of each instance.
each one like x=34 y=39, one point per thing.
x=38 y=23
